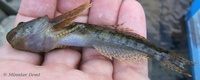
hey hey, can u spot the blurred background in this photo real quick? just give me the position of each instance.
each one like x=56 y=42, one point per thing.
x=166 y=27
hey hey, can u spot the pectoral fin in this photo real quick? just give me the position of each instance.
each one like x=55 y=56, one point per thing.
x=67 y=18
x=119 y=52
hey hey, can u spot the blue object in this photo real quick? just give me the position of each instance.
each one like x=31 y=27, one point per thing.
x=193 y=26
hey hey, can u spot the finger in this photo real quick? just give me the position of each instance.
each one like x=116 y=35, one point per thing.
x=37 y=8
x=8 y=53
x=103 y=13
x=67 y=57
x=130 y=70
x=33 y=9
x=132 y=14
x=68 y=5
x=95 y=64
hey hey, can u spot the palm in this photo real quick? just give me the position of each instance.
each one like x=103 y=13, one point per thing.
x=69 y=63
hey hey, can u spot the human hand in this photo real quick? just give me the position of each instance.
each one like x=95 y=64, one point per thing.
x=69 y=63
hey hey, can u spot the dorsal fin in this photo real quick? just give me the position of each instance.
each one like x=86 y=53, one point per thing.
x=140 y=39
x=67 y=18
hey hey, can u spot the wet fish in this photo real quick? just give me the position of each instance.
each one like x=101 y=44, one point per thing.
x=43 y=35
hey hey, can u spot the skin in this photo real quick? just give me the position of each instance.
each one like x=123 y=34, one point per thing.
x=69 y=63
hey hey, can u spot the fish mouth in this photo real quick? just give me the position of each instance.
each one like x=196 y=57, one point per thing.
x=10 y=35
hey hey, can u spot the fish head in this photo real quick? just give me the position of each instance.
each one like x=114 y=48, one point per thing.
x=31 y=36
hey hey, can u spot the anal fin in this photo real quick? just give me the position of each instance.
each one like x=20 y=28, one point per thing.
x=120 y=52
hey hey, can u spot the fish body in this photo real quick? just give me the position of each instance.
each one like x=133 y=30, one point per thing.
x=43 y=35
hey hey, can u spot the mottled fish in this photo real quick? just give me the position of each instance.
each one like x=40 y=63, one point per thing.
x=43 y=35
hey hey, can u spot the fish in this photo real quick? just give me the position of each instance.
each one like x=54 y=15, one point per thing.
x=43 y=35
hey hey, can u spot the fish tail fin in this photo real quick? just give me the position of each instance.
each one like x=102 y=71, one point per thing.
x=176 y=63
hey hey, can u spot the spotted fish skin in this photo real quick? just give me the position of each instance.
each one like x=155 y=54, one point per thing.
x=44 y=35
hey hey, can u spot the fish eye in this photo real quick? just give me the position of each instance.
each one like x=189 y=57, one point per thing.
x=20 y=23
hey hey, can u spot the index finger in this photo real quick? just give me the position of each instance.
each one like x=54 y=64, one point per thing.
x=33 y=9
